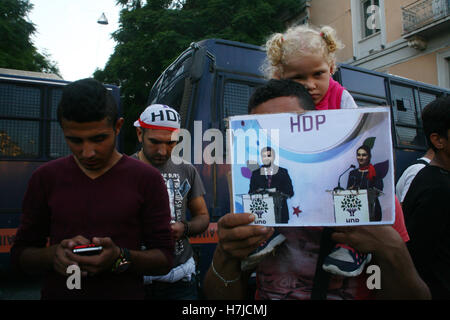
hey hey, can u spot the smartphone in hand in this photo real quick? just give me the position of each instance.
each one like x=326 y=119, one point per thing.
x=87 y=250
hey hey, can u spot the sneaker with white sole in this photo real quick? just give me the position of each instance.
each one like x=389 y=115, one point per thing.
x=346 y=261
x=266 y=248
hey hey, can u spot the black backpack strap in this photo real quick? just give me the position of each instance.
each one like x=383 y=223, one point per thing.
x=418 y=161
x=321 y=277
x=421 y=161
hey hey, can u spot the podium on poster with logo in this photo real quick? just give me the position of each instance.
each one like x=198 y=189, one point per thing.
x=265 y=205
x=354 y=206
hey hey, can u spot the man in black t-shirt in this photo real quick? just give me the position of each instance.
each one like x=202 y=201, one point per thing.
x=426 y=205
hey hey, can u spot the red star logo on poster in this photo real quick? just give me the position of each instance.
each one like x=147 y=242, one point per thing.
x=297 y=210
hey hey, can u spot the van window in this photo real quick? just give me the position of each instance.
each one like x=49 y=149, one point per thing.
x=58 y=147
x=408 y=103
x=29 y=128
x=19 y=138
x=236 y=96
x=176 y=90
x=20 y=119
x=424 y=99
x=169 y=88
x=363 y=83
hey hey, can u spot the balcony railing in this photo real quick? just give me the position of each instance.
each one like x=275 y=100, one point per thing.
x=423 y=12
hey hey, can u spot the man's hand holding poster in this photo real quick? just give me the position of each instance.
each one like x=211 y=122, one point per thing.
x=318 y=168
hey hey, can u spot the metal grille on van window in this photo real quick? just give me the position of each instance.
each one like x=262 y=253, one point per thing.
x=20 y=112
x=58 y=146
x=426 y=98
x=19 y=138
x=406 y=111
x=19 y=101
x=235 y=98
x=56 y=95
x=407 y=136
x=405 y=115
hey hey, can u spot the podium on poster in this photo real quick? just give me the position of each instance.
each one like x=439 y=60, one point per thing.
x=354 y=206
x=265 y=205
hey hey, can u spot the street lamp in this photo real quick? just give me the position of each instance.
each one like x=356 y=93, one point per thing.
x=102 y=19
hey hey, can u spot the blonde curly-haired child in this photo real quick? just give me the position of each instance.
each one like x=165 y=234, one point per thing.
x=308 y=55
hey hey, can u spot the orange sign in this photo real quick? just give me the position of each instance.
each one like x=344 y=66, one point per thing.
x=208 y=236
x=6 y=239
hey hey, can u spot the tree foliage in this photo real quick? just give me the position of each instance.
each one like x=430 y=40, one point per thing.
x=16 y=47
x=153 y=33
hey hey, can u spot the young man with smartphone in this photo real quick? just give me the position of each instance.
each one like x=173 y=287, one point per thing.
x=96 y=197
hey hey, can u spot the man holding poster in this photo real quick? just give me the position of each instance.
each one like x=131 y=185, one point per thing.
x=289 y=273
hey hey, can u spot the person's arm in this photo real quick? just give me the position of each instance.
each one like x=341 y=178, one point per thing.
x=37 y=260
x=237 y=240
x=229 y=268
x=199 y=221
x=286 y=187
x=253 y=184
x=399 y=278
x=30 y=253
x=378 y=184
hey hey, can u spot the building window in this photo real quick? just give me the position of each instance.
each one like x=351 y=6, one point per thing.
x=368 y=27
x=370 y=10
x=443 y=68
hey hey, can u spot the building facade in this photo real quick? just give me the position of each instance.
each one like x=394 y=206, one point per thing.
x=407 y=38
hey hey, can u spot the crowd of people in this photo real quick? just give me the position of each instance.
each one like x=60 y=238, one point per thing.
x=135 y=207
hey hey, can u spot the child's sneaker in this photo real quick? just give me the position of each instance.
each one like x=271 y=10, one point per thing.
x=263 y=250
x=346 y=261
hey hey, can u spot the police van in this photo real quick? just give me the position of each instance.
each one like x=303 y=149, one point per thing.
x=214 y=79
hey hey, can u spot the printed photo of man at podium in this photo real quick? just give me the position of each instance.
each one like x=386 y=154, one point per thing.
x=275 y=181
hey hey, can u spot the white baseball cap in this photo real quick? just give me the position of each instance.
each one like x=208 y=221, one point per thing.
x=159 y=116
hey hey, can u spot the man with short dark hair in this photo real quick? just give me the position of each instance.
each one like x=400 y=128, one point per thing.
x=291 y=92
x=426 y=205
x=94 y=196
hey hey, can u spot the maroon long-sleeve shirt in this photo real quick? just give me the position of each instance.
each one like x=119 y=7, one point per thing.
x=128 y=203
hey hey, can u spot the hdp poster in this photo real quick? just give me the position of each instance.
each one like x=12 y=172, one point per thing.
x=317 y=168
